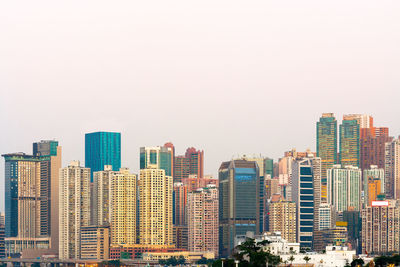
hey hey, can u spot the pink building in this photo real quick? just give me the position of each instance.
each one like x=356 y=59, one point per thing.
x=202 y=214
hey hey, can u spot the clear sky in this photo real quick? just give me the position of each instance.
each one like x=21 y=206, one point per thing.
x=229 y=77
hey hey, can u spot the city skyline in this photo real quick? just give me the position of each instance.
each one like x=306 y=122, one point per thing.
x=180 y=150
x=118 y=67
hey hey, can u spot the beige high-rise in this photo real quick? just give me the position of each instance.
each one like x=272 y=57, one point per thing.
x=155 y=193
x=101 y=205
x=282 y=217
x=202 y=213
x=123 y=207
x=74 y=208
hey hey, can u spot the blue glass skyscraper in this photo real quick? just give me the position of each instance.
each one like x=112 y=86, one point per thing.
x=102 y=148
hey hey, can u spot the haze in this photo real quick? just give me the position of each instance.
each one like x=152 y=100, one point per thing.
x=229 y=77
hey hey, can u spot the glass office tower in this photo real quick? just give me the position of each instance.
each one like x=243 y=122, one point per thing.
x=102 y=148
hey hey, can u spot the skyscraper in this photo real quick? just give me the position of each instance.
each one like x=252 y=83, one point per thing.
x=306 y=192
x=102 y=148
x=180 y=201
x=381 y=227
x=192 y=163
x=31 y=198
x=196 y=159
x=101 y=194
x=203 y=219
x=326 y=147
x=155 y=193
x=349 y=143
x=238 y=201
x=392 y=169
x=282 y=218
x=344 y=187
x=158 y=157
x=123 y=198
x=372 y=146
x=74 y=208
x=374 y=184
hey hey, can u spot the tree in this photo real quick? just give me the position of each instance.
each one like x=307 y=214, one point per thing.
x=307 y=259
x=291 y=259
x=205 y=261
x=357 y=262
x=227 y=263
x=181 y=260
x=250 y=253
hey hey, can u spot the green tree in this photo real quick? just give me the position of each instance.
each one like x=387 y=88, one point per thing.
x=250 y=253
x=125 y=255
x=291 y=259
x=306 y=259
x=227 y=263
x=357 y=262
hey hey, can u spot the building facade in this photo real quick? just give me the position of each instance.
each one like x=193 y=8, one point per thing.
x=326 y=147
x=306 y=192
x=102 y=148
x=374 y=184
x=74 y=207
x=381 y=227
x=282 y=218
x=203 y=220
x=155 y=205
x=158 y=157
x=344 y=187
x=349 y=148
x=95 y=242
x=238 y=201
x=392 y=169
x=123 y=212
x=31 y=198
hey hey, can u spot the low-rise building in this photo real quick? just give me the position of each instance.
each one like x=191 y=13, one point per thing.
x=189 y=256
x=335 y=256
x=95 y=242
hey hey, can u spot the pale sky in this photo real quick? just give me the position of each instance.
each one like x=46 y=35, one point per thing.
x=229 y=77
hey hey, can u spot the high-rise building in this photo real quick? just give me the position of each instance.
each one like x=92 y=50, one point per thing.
x=180 y=236
x=101 y=206
x=282 y=218
x=172 y=151
x=306 y=192
x=31 y=198
x=392 y=169
x=381 y=227
x=179 y=204
x=155 y=204
x=326 y=217
x=344 y=187
x=193 y=182
x=365 y=121
x=74 y=208
x=196 y=159
x=192 y=163
x=326 y=147
x=2 y=236
x=336 y=236
x=102 y=148
x=123 y=201
x=349 y=148
x=238 y=201
x=374 y=184
x=181 y=168
x=95 y=242
x=353 y=220
x=203 y=219
x=158 y=157
x=372 y=146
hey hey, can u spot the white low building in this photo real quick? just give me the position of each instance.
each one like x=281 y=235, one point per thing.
x=334 y=256
x=277 y=244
